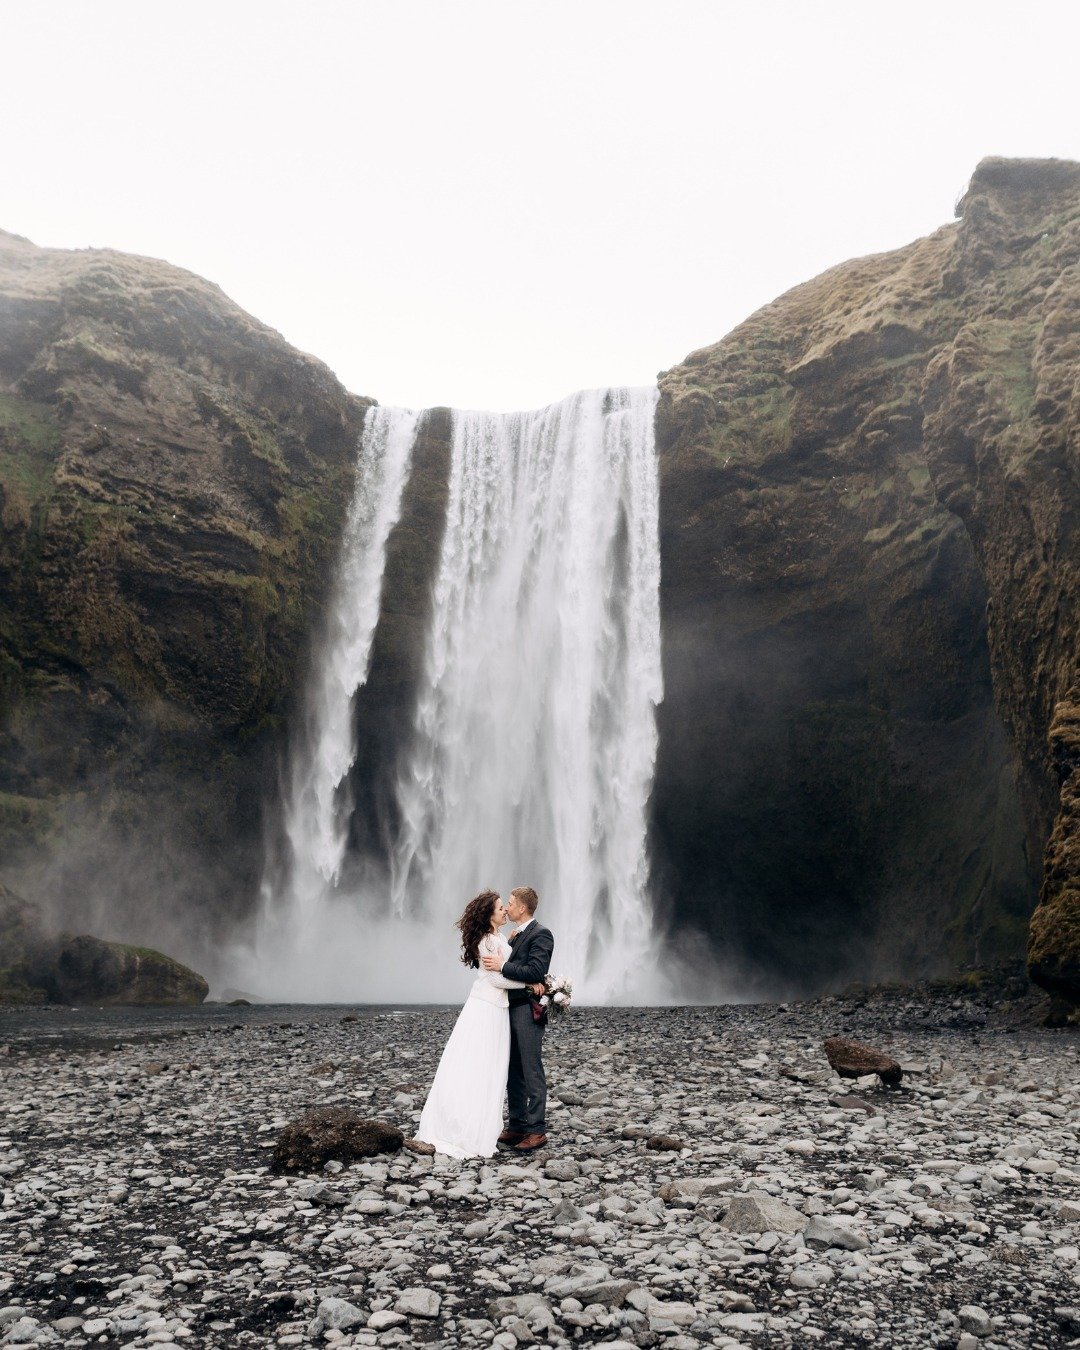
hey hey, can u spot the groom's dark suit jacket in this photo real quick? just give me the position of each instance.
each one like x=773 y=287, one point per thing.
x=530 y=959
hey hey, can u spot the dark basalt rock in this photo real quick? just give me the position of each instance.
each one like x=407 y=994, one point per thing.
x=332 y=1132
x=852 y=1059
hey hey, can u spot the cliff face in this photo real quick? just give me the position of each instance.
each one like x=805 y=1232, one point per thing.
x=870 y=740
x=868 y=496
x=172 y=482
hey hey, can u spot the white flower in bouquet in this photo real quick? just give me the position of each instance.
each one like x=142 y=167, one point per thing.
x=559 y=991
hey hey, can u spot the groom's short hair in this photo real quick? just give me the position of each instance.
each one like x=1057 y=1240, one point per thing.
x=527 y=896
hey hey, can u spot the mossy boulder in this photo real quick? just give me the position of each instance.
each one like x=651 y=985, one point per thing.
x=39 y=967
x=90 y=970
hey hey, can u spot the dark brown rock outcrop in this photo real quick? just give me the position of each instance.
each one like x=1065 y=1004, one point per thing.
x=870 y=589
x=852 y=1059
x=332 y=1132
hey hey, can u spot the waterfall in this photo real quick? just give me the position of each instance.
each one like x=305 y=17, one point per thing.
x=534 y=737
x=535 y=724
x=316 y=811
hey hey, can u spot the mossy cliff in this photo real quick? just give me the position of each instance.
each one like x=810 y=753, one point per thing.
x=869 y=753
x=869 y=531
x=173 y=477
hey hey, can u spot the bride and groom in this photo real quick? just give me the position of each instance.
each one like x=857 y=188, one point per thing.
x=497 y=1040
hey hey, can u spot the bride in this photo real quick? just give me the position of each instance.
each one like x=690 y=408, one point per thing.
x=463 y=1113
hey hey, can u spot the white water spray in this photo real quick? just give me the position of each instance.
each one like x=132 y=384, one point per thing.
x=317 y=805
x=535 y=732
x=535 y=727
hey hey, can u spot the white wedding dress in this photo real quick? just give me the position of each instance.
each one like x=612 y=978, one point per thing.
x=463 y=1114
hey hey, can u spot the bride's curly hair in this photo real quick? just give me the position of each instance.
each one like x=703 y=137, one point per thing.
x=474 y=924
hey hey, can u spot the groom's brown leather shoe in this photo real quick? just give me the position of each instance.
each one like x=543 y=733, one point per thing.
x=509 y=1137
x=530 y=1142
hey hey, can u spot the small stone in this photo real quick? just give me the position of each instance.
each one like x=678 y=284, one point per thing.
x=742 y=1321
x=340 y=1314
x=519 y=1305
x=418 y=1303
x=664 y=1143
x=379 y=1321
x=695 y=1188
x=611 y=1293
x=673 y=1314
x=828 y=1233
x=975 y=1319
x=562 y=1169
x=420 y=1147
x=853 y=1103
x=756 y=1212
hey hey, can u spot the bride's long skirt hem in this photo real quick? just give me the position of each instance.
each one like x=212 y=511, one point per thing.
x=462 y=1116
x=453 y=1151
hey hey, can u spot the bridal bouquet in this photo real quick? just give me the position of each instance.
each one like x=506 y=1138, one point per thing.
x=560 y=991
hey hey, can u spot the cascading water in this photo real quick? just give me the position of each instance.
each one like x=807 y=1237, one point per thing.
x=317 y=804
x=534 y=736
x=535 y=727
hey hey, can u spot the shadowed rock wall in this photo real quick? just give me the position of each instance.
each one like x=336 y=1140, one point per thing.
x=868 y=506
x=173 y=478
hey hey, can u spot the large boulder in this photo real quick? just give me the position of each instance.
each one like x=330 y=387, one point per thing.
x=332 y=1132
x=39 y=967
x=852 y=1059
x=90 y=970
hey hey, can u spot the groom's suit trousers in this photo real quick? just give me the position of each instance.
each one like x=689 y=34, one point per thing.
x=526 y=1086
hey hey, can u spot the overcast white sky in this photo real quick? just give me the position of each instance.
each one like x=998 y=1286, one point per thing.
x=490 y=204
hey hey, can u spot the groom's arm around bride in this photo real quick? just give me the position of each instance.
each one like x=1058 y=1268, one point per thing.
x=529 y=960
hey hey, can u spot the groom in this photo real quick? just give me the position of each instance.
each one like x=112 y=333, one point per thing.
x=526 y=1087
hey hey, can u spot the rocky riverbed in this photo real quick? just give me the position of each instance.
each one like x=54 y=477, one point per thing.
x=801 y=1209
